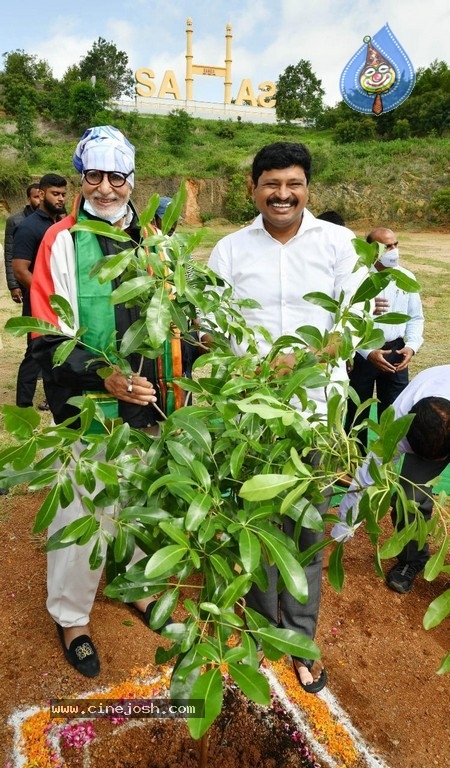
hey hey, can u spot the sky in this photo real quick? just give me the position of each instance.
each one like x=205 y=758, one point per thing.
x=266 y=36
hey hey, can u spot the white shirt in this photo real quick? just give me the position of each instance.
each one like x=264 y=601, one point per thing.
x=407 y=304
x=432 y=382
x=320 y=257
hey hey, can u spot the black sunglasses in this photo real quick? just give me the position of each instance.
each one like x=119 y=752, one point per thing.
x=115 y=178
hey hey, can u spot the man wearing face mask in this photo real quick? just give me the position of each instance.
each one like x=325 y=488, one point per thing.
x=386 y=369
x=105 y=160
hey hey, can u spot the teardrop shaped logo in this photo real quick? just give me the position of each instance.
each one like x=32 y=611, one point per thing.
x=380 y=75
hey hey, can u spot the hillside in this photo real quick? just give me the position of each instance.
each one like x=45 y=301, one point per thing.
x=402 y=182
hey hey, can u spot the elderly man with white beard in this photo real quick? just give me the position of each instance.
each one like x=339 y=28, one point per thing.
x=105 y=159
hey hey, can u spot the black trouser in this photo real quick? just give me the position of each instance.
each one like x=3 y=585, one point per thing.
x=415 y=473
x=365 y=377
x=29 y=370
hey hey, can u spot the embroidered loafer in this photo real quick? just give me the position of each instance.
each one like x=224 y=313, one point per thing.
x=81 y=654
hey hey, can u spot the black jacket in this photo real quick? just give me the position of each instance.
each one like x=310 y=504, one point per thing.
x=11 y=223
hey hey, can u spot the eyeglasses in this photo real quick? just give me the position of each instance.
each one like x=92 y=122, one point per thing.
x=389 y=246
x=115 y=178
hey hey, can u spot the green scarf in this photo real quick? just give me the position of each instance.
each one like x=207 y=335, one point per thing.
x=96 y=313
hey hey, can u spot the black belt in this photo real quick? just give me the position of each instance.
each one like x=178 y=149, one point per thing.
x=393 y=344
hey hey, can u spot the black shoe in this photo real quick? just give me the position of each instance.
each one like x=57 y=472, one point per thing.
x=3 y=491
x=81 y=653
x=401 y=577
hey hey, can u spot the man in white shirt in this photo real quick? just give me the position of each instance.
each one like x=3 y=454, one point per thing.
x=426 y=451
x=386 y=369
x=283 y=255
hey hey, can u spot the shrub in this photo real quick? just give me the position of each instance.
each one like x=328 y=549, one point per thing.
x=178 y=129
x=14 y=176
x=347 y=131
x=239 y=207
x=226 y=130
x=402 y=129
x=440 y=201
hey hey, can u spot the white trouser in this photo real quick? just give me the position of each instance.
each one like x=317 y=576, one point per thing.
x=71 y=584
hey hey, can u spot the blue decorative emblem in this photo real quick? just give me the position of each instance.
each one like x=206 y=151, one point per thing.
x=380 y=75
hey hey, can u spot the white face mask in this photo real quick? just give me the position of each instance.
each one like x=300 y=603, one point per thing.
x=112 y=218
x=390 y=258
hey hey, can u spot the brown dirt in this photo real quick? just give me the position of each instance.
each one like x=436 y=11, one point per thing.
x=381 y=662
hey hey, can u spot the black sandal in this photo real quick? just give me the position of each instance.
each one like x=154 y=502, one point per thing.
x=81 y=654
x=316 y=685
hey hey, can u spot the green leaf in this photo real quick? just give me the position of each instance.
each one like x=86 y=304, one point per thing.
x=234 y=591
x=249 y=550
x=121 y=542
x=174 y=533
x=252 y=683
x=47 y=511
x=445 y=665
x=102 y=228
x=20 y=422
x=181 y=453
x=392 y=432
x=322 y=300
x=311 y=335
x=113 y=266
x=404 y=282
x=392 y=318
x=209 y=607
x=207 y=687
x=134 y=337
x=63 y=309
x=194 y=427
x=288 y=641
x=262 y=409
x=237 y=459
x=105 y=473
x=201 y=474
x=437 y=610
x=145 y=515
x=165 y=560
x=261 y=487
x=148 y=214
x=335 y=568
x=164 y=607
x=436 y=562
x=64 y=350
x=22 y=456
x=221 y=567
x=19 y=326
x=198 y=509
x=130 y=289
x=290 y=570
x=78 y=528
x=158 y=318
x=117 y=442
x=174 y=209
x=96 y=557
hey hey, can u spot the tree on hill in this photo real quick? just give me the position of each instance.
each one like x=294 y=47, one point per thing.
x=24 y=78
x=299 y=93
x=109 y=66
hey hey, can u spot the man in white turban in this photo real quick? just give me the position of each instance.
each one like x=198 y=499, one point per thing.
x=105 y=159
